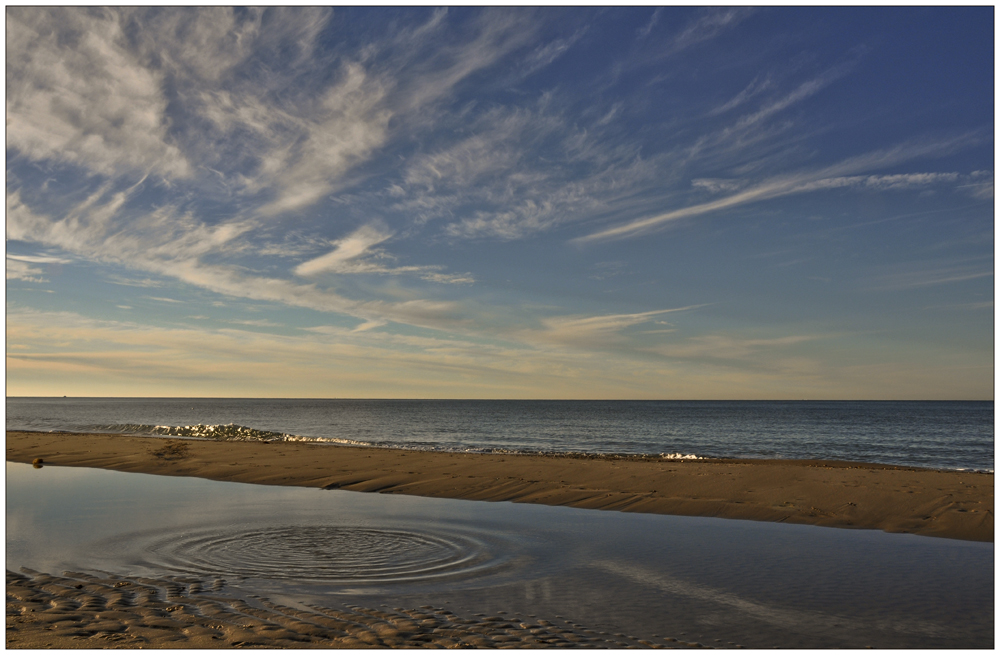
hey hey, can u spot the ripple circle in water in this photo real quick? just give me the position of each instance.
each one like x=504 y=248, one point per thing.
x=322 y=553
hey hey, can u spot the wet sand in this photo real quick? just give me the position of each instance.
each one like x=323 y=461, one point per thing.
x=79 y=610
x=952 y=504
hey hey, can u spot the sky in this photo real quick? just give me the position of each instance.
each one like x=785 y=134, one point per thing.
x=638 y=203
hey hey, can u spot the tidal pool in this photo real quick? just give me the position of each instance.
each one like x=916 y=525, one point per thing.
x=714 y=581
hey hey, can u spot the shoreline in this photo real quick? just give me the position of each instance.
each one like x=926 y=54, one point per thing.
x=941 y=503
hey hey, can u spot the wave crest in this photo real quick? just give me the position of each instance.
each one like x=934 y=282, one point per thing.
x=234 y=432
x=227 y=432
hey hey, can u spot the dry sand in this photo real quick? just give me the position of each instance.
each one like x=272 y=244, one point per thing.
x=950 y=504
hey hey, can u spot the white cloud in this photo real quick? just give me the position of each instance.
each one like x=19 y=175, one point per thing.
x=834 y=176
x=708 y=26
x=979 y=185
x=753 y=89
x=356 y=254
x=544 y=55
x=764 y=191
x=469 y=161
x=496 y=32
x=612 y=114
x=260 y=322
x=644 y=31
x=131 y=282
x=114 y=357
x=753 y=133
x=350 y=124
x=171 y=245
x=598 y=325
x=717 y=346
x=92 y=87
x=76 y=94
x=591 y=331
x=368 y=325
x=930 y=277
x=203 y=43
x=884 y=182
x=713 y=185
x=496 y=183
x=20 y=270
x=345 y=258
x=40 y=259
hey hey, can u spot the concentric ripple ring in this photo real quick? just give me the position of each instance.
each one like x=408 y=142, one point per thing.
x=321 y=553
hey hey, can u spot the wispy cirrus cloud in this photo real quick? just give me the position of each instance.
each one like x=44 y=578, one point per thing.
x=759 y=129
x=350 y=124
x=76 y=94
x=171 y=245
x=592 y=331
x=40 y=259
x=21 y=270
x=714 y=185
x=710 y=25
x=931 y=276
x=494 y=185
x=492 y=35
x=725 y=347
x=134 y=282
x=20 y=267
x=834 y=176
x=544 y=55
x=356 y=254
x=755 y=88
x=644 y=31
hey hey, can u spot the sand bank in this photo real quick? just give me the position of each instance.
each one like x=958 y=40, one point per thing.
x=79 y=610
x=952 y=504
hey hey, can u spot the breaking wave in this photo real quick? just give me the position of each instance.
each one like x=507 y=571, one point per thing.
x=234 y=432
x=227 y=432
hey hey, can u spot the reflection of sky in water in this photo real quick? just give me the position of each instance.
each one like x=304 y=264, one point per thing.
x=759 y=584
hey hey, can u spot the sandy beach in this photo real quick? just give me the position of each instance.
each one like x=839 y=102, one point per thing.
x=79 y=610
x=951 y=504
x=72 y=609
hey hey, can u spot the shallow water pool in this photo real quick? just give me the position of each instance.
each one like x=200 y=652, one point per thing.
x=718 y=582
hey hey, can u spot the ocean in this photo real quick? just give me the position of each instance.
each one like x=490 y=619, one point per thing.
x=956 y=435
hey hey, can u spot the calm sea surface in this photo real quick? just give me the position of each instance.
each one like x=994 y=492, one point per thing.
x=947 y=435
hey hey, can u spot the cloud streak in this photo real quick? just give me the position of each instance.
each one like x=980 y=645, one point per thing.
x=20 y=270
x=805 y=182
x=356 y=254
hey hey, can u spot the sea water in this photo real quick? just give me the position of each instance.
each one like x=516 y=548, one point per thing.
x=714 y=581
x=932 y=434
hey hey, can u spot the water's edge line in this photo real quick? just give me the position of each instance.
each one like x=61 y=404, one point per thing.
x=639 y=457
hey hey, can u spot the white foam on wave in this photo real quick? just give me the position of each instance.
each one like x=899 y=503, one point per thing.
x=235 y=432
x=333 y=440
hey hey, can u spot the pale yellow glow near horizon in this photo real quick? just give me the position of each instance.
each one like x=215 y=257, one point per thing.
x=94 y=359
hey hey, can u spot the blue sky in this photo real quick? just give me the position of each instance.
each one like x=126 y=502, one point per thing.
x=501 y=203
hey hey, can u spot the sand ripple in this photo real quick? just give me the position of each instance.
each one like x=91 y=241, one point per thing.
x=80 y=610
